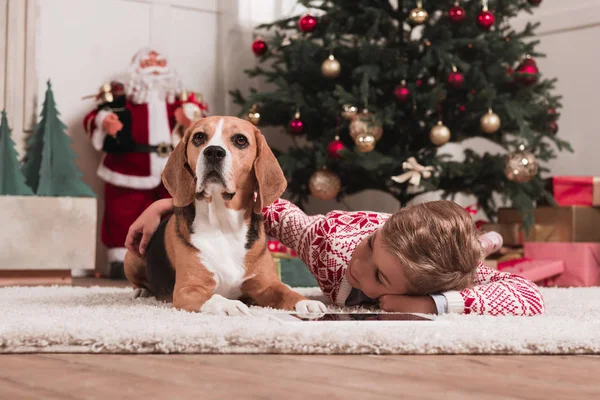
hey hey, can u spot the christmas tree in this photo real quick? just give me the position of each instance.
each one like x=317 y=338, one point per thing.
x=12 y=181
x=376 y=89
x=50 y=163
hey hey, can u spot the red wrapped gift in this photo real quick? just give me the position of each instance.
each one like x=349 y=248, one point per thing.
x=576 y=190
x=582 y=261
x=539 y=271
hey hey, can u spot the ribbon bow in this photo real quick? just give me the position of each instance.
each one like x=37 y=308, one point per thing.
x=414 y=173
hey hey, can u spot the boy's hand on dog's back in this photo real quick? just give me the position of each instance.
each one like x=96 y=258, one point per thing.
x=407 y=304
x=140 y=232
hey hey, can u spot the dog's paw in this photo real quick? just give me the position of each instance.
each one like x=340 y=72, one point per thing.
x=219 y=305
x=141 y=293
x=310 y=307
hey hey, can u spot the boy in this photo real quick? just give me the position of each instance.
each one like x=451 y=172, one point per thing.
x=424 y=258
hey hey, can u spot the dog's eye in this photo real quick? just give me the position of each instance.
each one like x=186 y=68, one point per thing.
x=199 y=138
x=240 y=141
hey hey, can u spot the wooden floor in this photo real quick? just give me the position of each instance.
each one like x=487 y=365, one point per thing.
x=88 y=376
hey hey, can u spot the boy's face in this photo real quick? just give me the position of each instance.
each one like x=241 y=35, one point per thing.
x=374 y=270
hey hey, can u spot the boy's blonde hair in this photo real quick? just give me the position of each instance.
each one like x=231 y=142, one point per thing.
x=438 y=245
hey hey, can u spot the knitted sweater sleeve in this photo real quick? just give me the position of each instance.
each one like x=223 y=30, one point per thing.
x=287 y=223
x=497 y=293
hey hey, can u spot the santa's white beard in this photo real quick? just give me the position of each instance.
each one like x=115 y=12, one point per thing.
x=142 y=86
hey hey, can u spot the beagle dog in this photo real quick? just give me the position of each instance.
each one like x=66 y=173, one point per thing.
x=213 y=250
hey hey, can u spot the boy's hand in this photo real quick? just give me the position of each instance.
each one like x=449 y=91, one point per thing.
x=141 y=231
x=408 y=304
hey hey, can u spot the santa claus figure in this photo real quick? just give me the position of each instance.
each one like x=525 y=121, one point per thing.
x=136 y=126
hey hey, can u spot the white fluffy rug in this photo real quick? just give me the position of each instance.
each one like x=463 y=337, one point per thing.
x=108 y=320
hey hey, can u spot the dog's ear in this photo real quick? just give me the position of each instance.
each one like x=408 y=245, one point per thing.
x=269 y=176
x=178 y=176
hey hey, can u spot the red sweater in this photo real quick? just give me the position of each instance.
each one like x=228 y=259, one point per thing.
x=326 y=243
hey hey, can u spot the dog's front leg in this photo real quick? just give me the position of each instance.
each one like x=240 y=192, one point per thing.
x=265 y=288
x=194 y=291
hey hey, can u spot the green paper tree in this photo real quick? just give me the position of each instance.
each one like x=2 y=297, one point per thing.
x=12 y=182
x=58 y=173
x=410 y=72
x=33 y=156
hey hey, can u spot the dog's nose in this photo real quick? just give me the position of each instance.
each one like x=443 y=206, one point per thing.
x=214 y=153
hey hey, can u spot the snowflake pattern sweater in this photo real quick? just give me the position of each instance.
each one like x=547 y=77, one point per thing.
x=326 y=243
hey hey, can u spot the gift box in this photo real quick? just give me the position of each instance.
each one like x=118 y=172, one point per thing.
x=558 y=224
x=291 y=270
x=581 y=262
x=576 y=190
x=542 y=272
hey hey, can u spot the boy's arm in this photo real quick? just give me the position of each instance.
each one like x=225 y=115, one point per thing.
x=497 y=293
x=494 y=292
x=291 y=226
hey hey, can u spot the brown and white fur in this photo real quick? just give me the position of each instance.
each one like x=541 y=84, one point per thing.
x=213 y=251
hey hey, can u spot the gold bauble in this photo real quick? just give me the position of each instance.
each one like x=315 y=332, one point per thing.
x=331 y=67
x=254 y=116
x=349 y=111
x=324 y=184
x=490 y=122
x=439 y=134
x=365 y=142
x=365 y=123
x=418 y=16
x=520 y=166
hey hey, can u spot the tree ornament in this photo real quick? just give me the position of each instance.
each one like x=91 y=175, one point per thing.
x=415 y=172
x=455 y=78
x=307 y=23
x=259 y=47
x=462 y=108
x=520 y=166
x=490 y=122
x=401 y=92
x=254 y=115
x=366 y=123
x=551 y=111
x=334 y=147
x=418 y=15
x=536 y=2
x=553 y=127
x=527 y=72
x=365 y=142
x=296 y=124
x=324 y=184
x=349 y=111
x=485 y=19
x=331 y=67
x=439 y=134
x=457 y=14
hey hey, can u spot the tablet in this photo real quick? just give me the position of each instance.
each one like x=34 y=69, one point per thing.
x=346 y=317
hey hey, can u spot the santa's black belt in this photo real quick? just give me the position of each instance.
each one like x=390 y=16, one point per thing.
x=162 y=149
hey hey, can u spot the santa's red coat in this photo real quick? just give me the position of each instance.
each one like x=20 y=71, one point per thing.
x=131 y=169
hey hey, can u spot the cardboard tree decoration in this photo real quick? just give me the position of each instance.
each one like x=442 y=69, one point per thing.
x=50 y=167
x=12 y=181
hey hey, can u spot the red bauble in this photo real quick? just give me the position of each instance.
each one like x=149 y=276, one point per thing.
x=528 y=71
x=485 y=20
x=553 y=127
x=402 y=93
x=473 y=92
x=296 y=126
x=457 y=14
x=307 y=23
x=456 y=79
x=551 y=111
x=419 y=82
x=334 y=148
x=259 y=47
x=462 y=108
